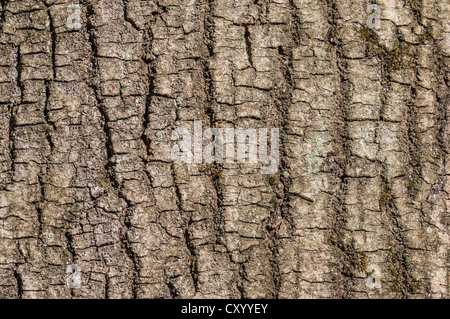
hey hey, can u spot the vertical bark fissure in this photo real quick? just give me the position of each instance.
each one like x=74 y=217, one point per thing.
x=148 y=60
x=342 y=155
x=109 y=168
x=47 y=82
x=19 y=282
x=93 y=83
x=193 y=258
x=12 y=117
x=4 y=3
x=71 y=249
x=248 y=45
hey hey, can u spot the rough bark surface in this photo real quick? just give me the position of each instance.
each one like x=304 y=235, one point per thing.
x=86 y=178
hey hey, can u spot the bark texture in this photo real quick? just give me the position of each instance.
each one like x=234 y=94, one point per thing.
x=86 y=177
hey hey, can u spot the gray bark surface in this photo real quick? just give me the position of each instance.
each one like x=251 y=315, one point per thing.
x=87 y=179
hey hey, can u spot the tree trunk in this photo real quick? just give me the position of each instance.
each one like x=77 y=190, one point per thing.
x=91 y=92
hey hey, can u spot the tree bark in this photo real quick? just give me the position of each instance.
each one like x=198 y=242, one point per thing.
x=357 y=209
